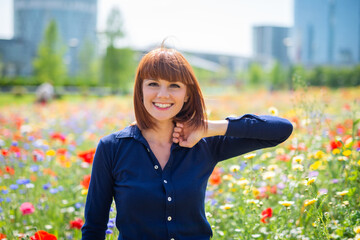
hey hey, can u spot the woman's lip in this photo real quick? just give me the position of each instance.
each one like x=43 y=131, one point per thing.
x=160 y=108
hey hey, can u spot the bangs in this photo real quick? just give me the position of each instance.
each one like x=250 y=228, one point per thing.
x=165 y=64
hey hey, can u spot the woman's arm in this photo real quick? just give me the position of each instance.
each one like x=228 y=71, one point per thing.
x=100 y=194
x=237 y=135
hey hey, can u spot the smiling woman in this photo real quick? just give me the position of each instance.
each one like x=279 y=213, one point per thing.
x=157 y=169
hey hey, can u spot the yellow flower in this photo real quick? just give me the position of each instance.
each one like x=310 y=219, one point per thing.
x=298 y=167
x=342 y=158
x=286 y=203
x=357 y=237
x=357 y=229
x=242 y=182
x=234 y=168
x=268 y=175
x=309 y=201
x=298 y=159
x=253 y=201
x=250 y=155
x=315 y=165
x=348 y=142
x=314 y=224
x=226 y=206
x=256 y=192
x=347 y=153
x=336 y=151
x=272 y=167
x=290 y=176
x=266 y=155
x=273 y=111
x=310 y=181
x=228 y=177
x=50 y=152
x=84 y=192
x=3 y=188
x=343 y=193
x=280 y=151
x=319 y=154
x=358 y=162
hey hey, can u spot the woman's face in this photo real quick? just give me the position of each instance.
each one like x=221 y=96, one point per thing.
x=163 y=99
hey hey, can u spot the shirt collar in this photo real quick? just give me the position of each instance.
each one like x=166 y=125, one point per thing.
x=133 y=131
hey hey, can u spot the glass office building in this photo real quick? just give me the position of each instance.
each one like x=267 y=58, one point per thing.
x=326 y=32
x=76 y=22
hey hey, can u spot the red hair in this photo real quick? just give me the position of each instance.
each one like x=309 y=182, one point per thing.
x=168 y=64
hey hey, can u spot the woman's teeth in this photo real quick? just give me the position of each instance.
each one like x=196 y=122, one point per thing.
x=162 y=105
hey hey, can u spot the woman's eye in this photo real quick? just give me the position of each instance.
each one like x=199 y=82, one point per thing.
x=174 y=85
x=153 y=84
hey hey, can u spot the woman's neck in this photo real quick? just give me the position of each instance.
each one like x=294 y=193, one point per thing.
x=161 y=135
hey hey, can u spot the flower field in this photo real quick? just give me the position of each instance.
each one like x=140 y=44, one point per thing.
x=305 y=188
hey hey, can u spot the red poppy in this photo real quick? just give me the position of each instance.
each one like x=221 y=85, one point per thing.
x=2 y=236
x=43 y=235
x=77 y=223
x=4 y=152
x=86 y=181
x=283 y=157
x=15 y=149
x=61 y=151
x=38 y=154
x=58 y=136
x=9 y=170
x=87 y=156
x=335 y=144
x=215 y=177
x=267 y=213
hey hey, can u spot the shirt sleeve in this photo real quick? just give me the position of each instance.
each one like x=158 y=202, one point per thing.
x=248 y=133
x=100 y=195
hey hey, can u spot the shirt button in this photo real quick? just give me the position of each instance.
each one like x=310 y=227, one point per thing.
x=156 y=166
x=169 y=199
x=169 y=218
x=165 y=181
x=148 y=149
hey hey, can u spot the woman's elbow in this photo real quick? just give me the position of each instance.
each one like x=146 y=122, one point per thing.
x=287 y=129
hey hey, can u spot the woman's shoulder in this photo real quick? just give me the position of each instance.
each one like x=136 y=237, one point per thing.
x=127 y=132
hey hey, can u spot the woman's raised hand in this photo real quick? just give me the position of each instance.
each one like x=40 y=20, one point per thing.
x=186 y=136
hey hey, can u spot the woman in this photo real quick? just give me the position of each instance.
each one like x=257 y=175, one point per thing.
x=157 y=169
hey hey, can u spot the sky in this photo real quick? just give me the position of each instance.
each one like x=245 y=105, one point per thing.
x=214 y=26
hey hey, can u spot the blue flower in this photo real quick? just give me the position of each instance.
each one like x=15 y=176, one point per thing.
x=5 y=191
x=60 y=188
x=31 y=138
x=15 y=144
x=78 y=205
x=23 y=181
x=34 y=168
x=46 y=186
x=8 y=199
x=53 y=190
x=14 y=186
x=109 y=231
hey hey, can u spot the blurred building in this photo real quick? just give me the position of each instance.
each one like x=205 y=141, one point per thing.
x=270 y=44
x=326 y=32
x=76 y=22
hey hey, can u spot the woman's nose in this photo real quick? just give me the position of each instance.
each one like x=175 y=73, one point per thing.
x=163 y=92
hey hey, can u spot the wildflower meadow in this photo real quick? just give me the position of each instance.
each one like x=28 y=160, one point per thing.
x=305 y=188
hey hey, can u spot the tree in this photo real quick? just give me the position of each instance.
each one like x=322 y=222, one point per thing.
x=255 y=74
x=49 y=65
x=88 y=64
x=277 y=77
x=118 y=64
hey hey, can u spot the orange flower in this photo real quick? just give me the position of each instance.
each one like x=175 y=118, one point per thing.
x=9 y=170
x=2 y=236
x=86 y=181
x=50 y=172
x=77 y=223
x=43 y=235
x=87 y=156
x=215 y=177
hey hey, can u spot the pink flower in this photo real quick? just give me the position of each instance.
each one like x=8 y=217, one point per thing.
x=27 y=208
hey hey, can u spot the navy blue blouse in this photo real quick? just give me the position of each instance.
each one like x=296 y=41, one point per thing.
x=166 y=204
